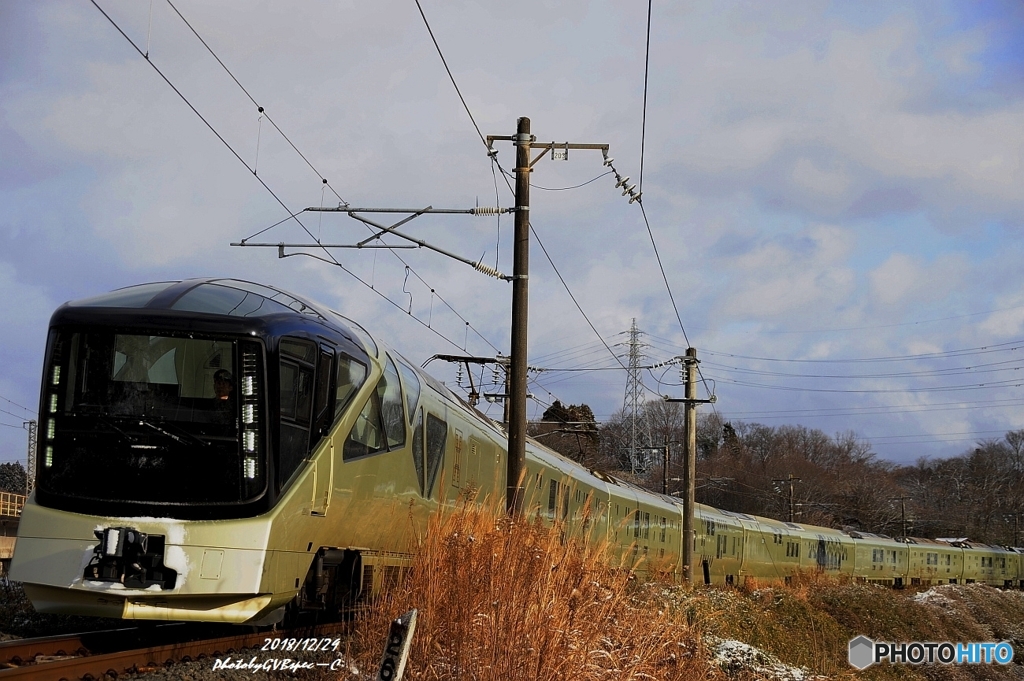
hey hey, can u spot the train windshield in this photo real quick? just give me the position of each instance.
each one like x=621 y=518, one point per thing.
x=153 y=419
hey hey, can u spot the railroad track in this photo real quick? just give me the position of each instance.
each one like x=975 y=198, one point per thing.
x=112 y=653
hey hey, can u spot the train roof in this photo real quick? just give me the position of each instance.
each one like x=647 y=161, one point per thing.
x=263 y=307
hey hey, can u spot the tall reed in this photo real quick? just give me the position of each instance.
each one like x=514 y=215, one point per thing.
x=499 y=599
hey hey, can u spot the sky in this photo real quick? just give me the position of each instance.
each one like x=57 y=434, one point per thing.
x=834 y=190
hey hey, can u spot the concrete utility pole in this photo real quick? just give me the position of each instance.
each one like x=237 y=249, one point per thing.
x=524 y=141
x=690 y=469
x=903 y=511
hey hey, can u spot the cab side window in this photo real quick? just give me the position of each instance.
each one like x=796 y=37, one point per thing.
x=323 y=406
x=297 y=370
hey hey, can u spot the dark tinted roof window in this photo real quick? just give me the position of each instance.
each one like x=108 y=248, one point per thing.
x=132 y=296
x=226 y=300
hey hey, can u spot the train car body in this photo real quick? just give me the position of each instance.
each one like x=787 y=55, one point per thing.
x=218 y=450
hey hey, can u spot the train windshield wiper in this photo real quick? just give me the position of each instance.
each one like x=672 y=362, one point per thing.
x=183 y=439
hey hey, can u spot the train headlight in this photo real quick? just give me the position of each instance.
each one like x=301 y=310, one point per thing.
x=250 y=412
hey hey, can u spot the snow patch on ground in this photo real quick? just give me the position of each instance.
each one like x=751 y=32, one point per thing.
x=735 y=657
x=933 y=596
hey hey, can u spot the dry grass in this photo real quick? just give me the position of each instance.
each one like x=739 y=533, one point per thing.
x=514 y=600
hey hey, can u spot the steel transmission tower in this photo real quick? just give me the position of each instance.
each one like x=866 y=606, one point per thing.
x=30 y=471
x=637 y=432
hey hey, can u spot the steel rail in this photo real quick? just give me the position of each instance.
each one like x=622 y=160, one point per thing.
x=89 y=655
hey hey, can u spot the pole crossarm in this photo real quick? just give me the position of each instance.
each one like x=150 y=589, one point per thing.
x=459 y=359
x=282 y=244
x=478 y=265
x=412 y=213
x=479 y=210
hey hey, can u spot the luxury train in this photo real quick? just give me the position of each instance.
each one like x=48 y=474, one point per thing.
x=219 y=450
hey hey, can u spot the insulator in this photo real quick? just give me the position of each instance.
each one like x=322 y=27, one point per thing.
x=622 y=182
x=458 y=376
x=488 y=270
x=608 y=161
x=635 y=197
x=487 y=210
x=628 y=190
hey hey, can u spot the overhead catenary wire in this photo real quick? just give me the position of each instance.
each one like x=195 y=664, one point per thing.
x=320 y=175
x=252 y=99
x=330 y=259
x=324 y=180
x=11 y=413
x=19 y=406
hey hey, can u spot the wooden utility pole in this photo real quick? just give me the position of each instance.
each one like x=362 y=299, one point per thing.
x=520 y=315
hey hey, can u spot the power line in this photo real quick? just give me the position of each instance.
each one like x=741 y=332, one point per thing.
x=881 y=408
x=948 y=371
x=563 y=189
x=494 y=160
x=948 y=388
x=979 y=350
x=454 y=84
x=643 y=122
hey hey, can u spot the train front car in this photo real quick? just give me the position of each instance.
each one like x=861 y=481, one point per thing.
x=174 y=422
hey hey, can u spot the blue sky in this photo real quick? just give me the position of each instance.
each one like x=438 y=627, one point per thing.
x=826 y=182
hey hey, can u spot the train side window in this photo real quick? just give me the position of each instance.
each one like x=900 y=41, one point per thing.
x=412 y=386
x=437 y=434
x=390 y=391
x=296 y=401
x=418 y=451
x=350 y=378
